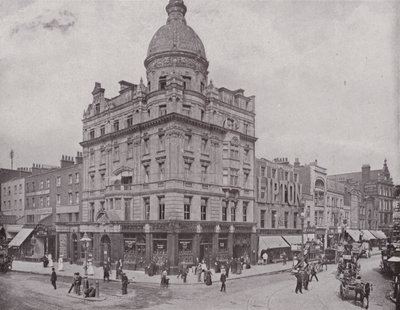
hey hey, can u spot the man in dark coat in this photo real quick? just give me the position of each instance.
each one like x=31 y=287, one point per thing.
x=106 y=272
x=78 y=283
x=53 y=278
x=90 y=291
x=45 y=261
x=313 y=273
x=306 y=279
x=223 y=280
x=299 y=282
x=124 y=284
x=73 y=282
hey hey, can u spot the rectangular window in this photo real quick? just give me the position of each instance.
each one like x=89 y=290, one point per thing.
x=262 y=218
x=263 y=171
x=77 y=197
x=245 y=178
x=296 y=177
x=186 y=109
x=58 y=199
x=161 y=166
x=102 y=157
x=102 y=130
x=146 y=208
x=201 y=87
x=244 y=209
x=225 y=153
x=111 y=203
x=246 y=155
x=97 y=108
x=41 y=202
x=33 y=203
x=186 y=208
x=91 y=134
x=116 y=126
x=188 y=141
x=70 y=179
x=204 y=145
x=233 y=213
x=129 y=121
x=273 y=219
x=224 y=211
x=48 y=201
x=47 y=185
x=225 y=176
x=202 y=115
x=77 y=177
x=274 y=173
x=91 y=158
x=162 y=82
x=245 y=128
x=102 y=180
x=146 y=174
x=204 y=173
x=161 y=142
x=70 y=198
x=161 y=208
x=130 y=149
x=187 y=82
x=234 y=177
x=162 y=110
x=188 y=167
x=295 y=215
x=41 y=185
x=116 y=153
x=203 y=209
x=286 y=218
x=234 y=153
x=146 y=148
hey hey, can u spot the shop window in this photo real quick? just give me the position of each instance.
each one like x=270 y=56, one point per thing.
x=159 y=244
x=185 y=244
x=223 y=243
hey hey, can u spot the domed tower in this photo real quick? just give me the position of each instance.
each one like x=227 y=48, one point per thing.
x=177 y=50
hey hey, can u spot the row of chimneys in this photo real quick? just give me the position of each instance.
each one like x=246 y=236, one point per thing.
x=281 y=160
x=67 y=161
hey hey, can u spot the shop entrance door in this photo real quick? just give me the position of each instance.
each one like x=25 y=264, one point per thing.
x=105 y=249
x=206 y=250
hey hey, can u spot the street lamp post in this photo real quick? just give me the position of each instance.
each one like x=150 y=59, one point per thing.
x=86 y=241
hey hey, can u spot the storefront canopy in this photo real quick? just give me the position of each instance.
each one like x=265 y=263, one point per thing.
x=293 y=239
x=378 y=234
x=20 y=237
x=366 y=235
x=271 y=242
x=354 y=234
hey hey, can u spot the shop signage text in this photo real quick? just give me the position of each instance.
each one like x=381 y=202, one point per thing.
x=274 y=191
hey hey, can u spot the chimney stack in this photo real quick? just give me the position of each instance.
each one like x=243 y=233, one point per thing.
x=66 y=161
x=79 y=158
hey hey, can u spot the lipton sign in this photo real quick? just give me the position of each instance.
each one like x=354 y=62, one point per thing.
x=274 y=191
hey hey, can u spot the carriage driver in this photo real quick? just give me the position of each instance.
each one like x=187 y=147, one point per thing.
x=358 y=289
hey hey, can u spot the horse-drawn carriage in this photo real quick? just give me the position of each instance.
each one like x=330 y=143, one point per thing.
x=353 y=287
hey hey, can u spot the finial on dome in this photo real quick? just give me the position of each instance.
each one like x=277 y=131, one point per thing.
x=176 y=10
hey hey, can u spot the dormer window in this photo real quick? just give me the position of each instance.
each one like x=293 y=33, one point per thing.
x=162 y=82
x=97 y=108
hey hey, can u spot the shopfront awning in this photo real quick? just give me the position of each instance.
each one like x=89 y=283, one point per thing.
x=354 y=234
x=366 y=235
x=292 y=239
x=379 y=234
x=20 y=237
x=13 y=228
x=271 y=242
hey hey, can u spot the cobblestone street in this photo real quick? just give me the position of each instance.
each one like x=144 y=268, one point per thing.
x=275 y=292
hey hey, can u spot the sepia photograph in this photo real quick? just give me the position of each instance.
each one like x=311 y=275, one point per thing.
x=199 y=154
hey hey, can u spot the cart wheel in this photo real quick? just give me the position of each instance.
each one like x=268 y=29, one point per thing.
x=365 y=302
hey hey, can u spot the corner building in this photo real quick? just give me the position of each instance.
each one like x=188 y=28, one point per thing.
x=168 y=165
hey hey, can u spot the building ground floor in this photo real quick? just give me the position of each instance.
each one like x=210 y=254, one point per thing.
x=166 y=243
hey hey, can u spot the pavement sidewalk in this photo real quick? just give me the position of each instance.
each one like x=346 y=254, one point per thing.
x=141 y=277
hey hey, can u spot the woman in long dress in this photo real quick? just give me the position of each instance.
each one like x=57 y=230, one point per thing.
x=60 y=264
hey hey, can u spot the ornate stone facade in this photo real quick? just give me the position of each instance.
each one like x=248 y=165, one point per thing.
x=171 y=160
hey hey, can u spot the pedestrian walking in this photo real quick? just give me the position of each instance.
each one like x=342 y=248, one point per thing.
x=106 y=272
x=74 y=279
x=265 y=258
x=199 y=270
x=207 y=276
x=117 y=269
x=60 y=266
x=53 y=278
x=125 y=282
x=299 y=283
x=313 y=273
x=164 y=279
x=45 y=261
x=284 y=257
x=78 y=283
x=50 y=259
x=223 y=280
x=227 y=268
x=306 y=278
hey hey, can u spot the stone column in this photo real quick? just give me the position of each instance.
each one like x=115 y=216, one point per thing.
x=196 y=248
x=230 y=244
x=149 y=247
x=214 y=252
x=253 y=248
x=172 y=252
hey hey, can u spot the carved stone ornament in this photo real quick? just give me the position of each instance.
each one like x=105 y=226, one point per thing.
x=122 y=169
x=102 y=217
x=217 y=229
x=161 y=159
x=231 y=229
x=188 y=160
x=146 y=162
x=147 y=228
x=235 y=141
x=174 y=133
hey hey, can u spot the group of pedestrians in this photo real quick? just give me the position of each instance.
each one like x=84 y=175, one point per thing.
x=304 y=276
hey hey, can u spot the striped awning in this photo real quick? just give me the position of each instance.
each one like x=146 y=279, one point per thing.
x=354 y=234
x=20 y=237
x=378 y=234
x=367 y=236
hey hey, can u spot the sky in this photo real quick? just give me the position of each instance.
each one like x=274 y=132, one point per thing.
x=324 y=73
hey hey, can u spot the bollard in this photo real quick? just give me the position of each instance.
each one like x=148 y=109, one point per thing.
x=97 y=289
